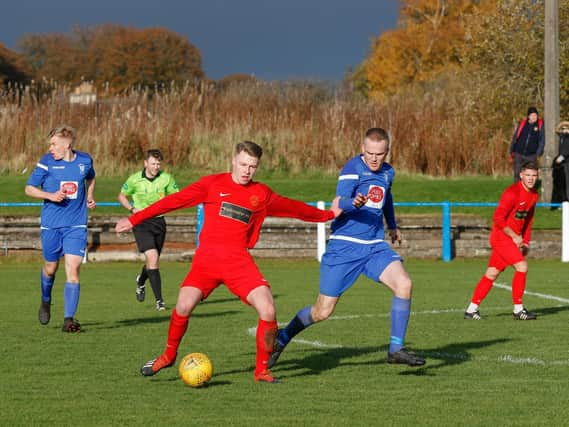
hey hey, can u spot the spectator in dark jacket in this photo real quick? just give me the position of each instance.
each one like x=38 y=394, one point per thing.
x=528 y=141
x=561 y=166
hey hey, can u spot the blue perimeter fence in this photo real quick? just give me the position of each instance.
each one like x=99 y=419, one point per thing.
x=445 y=205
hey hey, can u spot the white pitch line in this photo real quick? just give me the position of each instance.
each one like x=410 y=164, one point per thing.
x=535 y=294
x=253 y=331
x=506 y=358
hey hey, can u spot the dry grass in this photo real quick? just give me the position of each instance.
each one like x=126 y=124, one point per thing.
x=301 y=126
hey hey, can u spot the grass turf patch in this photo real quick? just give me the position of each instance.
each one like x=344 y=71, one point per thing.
x=493 y=372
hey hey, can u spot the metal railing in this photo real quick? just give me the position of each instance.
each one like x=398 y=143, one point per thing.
x=446 y=206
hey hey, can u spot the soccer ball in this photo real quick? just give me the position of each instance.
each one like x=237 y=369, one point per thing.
x=195 y=369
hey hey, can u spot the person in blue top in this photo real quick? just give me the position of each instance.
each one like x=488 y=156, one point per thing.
x=64 y=179
x=357 y=246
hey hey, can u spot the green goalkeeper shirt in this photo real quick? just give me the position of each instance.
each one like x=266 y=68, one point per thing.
x=145 y=191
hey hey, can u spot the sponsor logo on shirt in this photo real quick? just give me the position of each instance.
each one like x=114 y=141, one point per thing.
x=238 y=213
x=375 y=196
x=69 y=188
x=521 y=214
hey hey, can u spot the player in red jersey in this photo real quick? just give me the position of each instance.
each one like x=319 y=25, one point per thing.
x=234 y=209
x=509 y=240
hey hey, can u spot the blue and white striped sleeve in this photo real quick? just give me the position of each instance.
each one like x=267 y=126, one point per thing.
x=39 y=173
x=347 y=184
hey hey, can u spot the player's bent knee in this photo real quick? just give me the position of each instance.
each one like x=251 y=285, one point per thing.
x=267 y=312
x=403 y=288
x=521 y=267
x=322 y=313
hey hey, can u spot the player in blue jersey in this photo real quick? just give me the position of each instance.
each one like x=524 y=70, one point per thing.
x=357 y=247
x=65 y=180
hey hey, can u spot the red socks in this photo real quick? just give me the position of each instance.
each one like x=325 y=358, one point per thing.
x=176 y=331
x=266 y=333
x=482 y=289
x=518 y=286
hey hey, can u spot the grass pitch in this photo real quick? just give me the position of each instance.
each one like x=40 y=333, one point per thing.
x=493 y=372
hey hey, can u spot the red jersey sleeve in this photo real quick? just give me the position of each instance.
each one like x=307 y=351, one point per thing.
x=281 y=206
x=189 y=196
x=505 y=205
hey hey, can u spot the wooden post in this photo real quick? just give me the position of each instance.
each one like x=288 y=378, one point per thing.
x=551 y=78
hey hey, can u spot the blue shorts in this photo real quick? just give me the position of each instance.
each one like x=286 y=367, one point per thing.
x=343 y=262
x=57 y=242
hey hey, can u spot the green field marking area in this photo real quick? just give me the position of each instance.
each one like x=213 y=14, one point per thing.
x=491 y=372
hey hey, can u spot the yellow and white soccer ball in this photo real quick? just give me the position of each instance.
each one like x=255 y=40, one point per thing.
x=195 y=369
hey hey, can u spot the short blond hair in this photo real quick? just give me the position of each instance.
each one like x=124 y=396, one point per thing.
x=64 y=131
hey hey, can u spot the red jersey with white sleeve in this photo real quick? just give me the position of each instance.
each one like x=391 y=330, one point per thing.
x=233 y=213
x=515 y=210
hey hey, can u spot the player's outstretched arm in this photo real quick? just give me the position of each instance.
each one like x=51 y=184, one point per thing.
x=335 y=208
x=284 y=207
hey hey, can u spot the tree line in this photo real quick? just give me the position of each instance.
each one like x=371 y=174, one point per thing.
x=117 y=56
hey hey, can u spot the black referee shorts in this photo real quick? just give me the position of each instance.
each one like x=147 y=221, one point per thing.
x=150 y=234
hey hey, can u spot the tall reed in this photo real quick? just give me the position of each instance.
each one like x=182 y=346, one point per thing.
x=301 y=126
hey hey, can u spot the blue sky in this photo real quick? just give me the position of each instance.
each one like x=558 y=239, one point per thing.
x=306 y=39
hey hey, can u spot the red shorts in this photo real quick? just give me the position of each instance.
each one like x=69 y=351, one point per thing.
x=504 y=254
x=235 y=268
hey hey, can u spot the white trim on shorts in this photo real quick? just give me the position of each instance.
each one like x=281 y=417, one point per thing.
x=353 y=239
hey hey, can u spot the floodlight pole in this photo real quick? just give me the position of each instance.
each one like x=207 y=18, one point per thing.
x=551 y=82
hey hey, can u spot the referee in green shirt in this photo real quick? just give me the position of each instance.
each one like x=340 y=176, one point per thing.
x=140 y=190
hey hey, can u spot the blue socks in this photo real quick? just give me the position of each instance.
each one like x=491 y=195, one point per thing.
x=46 y=286
x=400 y=311
x=71 y=297
x=301 y=321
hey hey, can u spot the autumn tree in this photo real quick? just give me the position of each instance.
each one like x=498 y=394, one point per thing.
x=119 y=56
x=507 y=49
x=12 y=67
x=54 y=56
x=154 y=57
x=428 y=40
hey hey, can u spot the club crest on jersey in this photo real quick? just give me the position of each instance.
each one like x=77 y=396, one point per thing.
x=375 y=196
x=238 y=213
x=82 y=168
x=254 y=200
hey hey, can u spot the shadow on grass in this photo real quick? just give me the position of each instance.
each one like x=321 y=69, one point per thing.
x=325 y=360
x=175 y=378
x=159 y=318
x=544 y=311
x=449 y=355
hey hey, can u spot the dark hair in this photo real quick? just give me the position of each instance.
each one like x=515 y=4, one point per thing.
x=250 y=148
x=157 y=154
x=531 y=165
x=377 y=134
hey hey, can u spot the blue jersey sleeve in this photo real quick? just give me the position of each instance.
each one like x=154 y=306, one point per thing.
x=40 y=172
x=348 y=182
x=91 y=172
x=389 y=211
